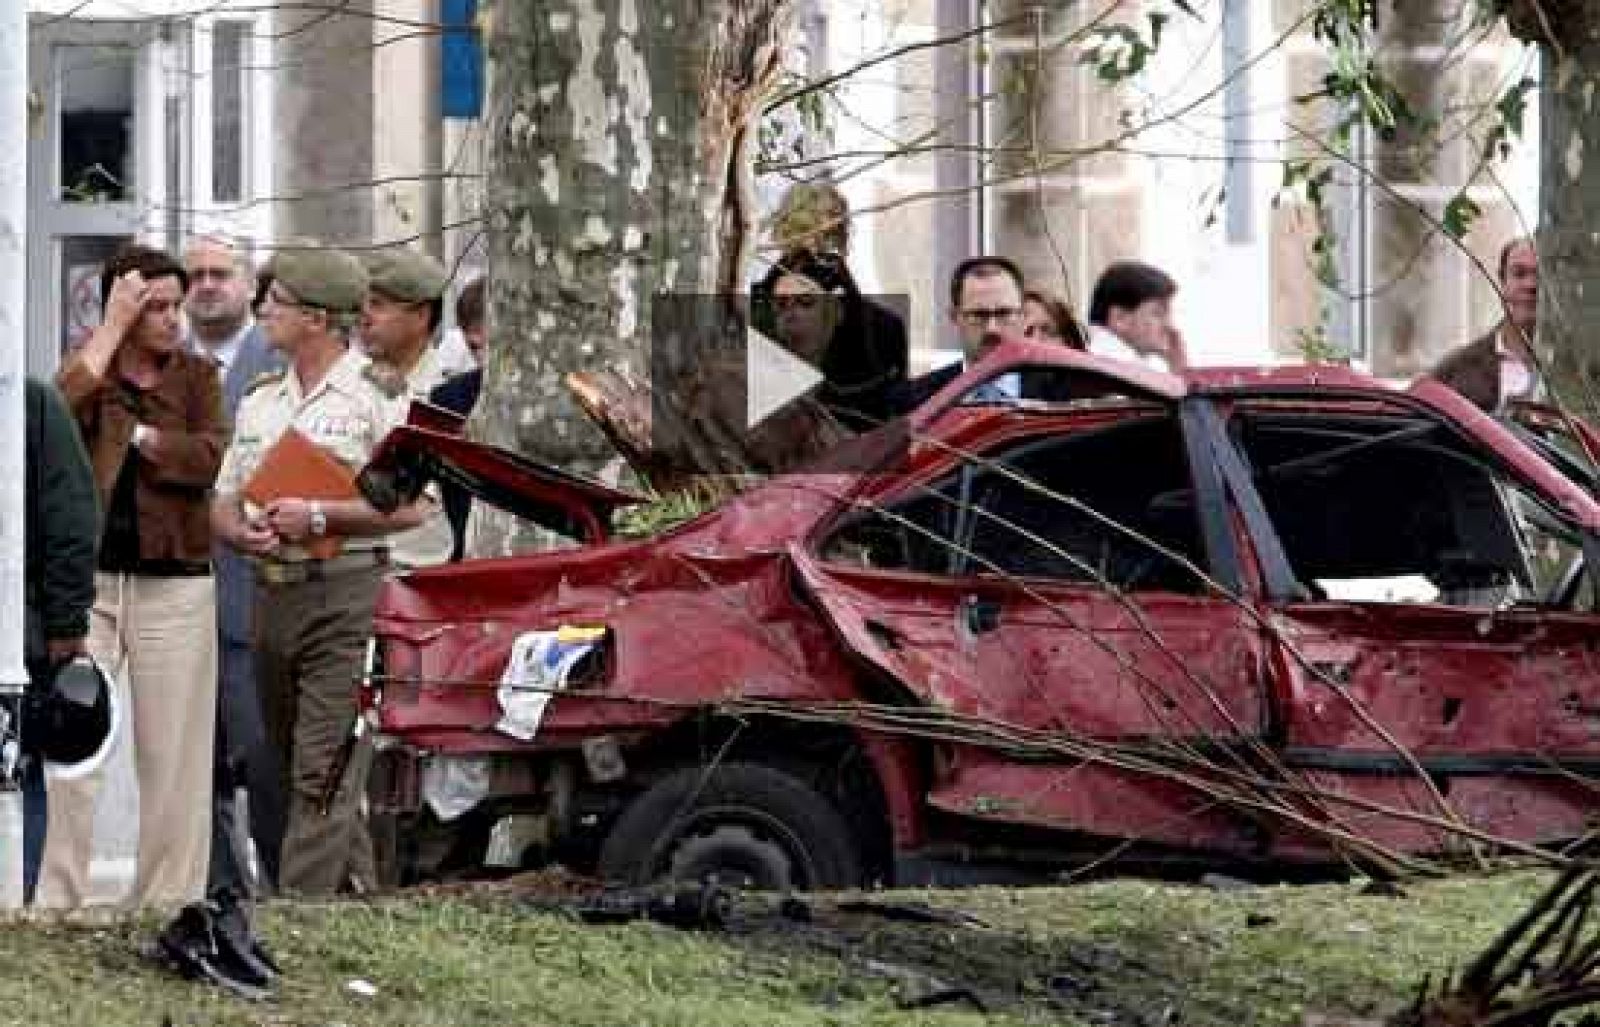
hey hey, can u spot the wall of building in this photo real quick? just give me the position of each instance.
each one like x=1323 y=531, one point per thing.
x=1196 y=189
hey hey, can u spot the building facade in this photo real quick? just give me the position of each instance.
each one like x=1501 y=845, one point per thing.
x=192 y=115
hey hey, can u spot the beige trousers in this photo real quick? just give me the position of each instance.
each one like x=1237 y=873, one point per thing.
x=159 y=634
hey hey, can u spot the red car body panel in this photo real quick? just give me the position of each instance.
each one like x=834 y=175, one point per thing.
x=739 y=606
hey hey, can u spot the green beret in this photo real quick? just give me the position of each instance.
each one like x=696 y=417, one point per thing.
x=406 y=275
x=330 y=279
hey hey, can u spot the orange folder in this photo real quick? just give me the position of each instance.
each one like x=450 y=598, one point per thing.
x=297 y=468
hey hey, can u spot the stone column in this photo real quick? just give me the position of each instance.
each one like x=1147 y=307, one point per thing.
x=407 y=130
x=1407 y=293
x=323 y=114
x=1064 y=225
x=1426 y=295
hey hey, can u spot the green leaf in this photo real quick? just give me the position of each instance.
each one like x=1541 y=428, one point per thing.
x=1513 y=104
x=1459 y=214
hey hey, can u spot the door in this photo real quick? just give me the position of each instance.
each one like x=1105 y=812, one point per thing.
x=1044 y=592
x=1436 y=661
x=99 y=148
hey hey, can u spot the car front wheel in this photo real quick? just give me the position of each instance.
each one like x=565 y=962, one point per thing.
x=739 y=824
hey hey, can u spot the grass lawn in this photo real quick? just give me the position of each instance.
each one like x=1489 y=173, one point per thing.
x=1111 y=952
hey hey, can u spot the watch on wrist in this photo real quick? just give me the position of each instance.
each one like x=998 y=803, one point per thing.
x=319 y=520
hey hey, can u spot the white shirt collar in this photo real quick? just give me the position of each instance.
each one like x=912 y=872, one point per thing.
x=225 y=353
x=1103 y=342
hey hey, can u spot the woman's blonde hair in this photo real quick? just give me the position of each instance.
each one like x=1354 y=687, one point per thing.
x=813 y=216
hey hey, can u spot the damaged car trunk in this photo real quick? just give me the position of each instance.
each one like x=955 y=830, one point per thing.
x=1288 y=616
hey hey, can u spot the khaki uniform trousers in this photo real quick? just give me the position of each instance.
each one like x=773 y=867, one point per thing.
x=311 y=639
x=157 y=633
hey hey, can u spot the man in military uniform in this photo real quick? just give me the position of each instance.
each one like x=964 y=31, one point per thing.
x=313 y=615
x=401 y=315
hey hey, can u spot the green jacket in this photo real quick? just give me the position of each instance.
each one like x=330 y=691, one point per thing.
x=63 y=523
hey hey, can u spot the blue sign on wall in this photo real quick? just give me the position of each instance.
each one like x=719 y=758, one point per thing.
x=461 y=59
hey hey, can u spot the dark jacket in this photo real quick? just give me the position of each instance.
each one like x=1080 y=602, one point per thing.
x=172 y=487
x=865 y=361
x=235 y=574
x=1474 y=371
x=62 y=520
x=864 y=364
x=460 y=395
x=909 y=395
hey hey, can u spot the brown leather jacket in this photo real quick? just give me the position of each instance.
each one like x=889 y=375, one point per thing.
x=172 y=494
x=1474 y=371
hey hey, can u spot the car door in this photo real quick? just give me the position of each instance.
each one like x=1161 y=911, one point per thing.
x=1035 y=596
x=1433 y=667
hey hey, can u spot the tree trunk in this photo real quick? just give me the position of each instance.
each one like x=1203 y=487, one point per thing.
x=615 y=132
x=1569 y=194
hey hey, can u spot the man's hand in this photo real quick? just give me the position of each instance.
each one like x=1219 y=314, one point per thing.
x=1177 y=350
x=254 y=537
x=146 y=439
x=62 y=649
x=290 y=518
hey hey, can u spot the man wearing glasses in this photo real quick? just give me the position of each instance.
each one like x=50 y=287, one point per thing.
x=313 y=611
x=985 y=302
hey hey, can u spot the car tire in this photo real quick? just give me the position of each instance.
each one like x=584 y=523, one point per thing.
x=739 y=824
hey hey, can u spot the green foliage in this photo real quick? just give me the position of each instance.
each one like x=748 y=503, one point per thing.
x=1367 y=100
x=663 y=513
x=1510 y=108
x=1118 y=52
x=1459 y=214
x=1315 y=346
x=785 y=132
x=1344 y=23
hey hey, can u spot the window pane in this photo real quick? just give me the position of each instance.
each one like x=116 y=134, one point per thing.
x=228 y=39
x=1385 y=509
x=95 y=86
x=1111 y=492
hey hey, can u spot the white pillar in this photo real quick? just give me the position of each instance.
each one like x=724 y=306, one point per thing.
x=13 y=333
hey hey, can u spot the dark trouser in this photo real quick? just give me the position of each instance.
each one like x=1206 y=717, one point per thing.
x=35 y=821
x=35 y=799
x=243 y=759
x=311 y=641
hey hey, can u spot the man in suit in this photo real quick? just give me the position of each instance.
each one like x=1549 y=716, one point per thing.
x=1499 y=366
x=217 y=305
x=985 y=300
x=460 y=394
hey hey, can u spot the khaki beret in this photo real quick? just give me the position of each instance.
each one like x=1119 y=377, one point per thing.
x=406 y=275
x=330 y=279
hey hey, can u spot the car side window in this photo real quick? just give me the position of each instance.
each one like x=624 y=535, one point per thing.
x=1392 y=508
x=1111 y=505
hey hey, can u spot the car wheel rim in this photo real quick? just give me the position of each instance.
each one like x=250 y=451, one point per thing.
x=736 y=855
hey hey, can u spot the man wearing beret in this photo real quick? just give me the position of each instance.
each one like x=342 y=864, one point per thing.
x=313 y=614
x=401 y=314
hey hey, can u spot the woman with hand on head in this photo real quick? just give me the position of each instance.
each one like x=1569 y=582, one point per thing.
x=150 y=414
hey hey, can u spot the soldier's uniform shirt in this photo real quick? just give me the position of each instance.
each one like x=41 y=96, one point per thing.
x=429 y=543
x=311 y=632
x=348 y=413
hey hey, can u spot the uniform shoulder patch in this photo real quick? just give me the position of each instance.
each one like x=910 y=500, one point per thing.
x=265 y=378
x=389 y=381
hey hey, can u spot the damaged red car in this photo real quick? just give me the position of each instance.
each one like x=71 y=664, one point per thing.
x=1272 y=615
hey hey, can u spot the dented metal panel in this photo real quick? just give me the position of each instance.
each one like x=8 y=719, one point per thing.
x=1291 y=720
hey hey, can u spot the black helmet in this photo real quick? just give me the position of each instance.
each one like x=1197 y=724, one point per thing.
x=71 y=721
